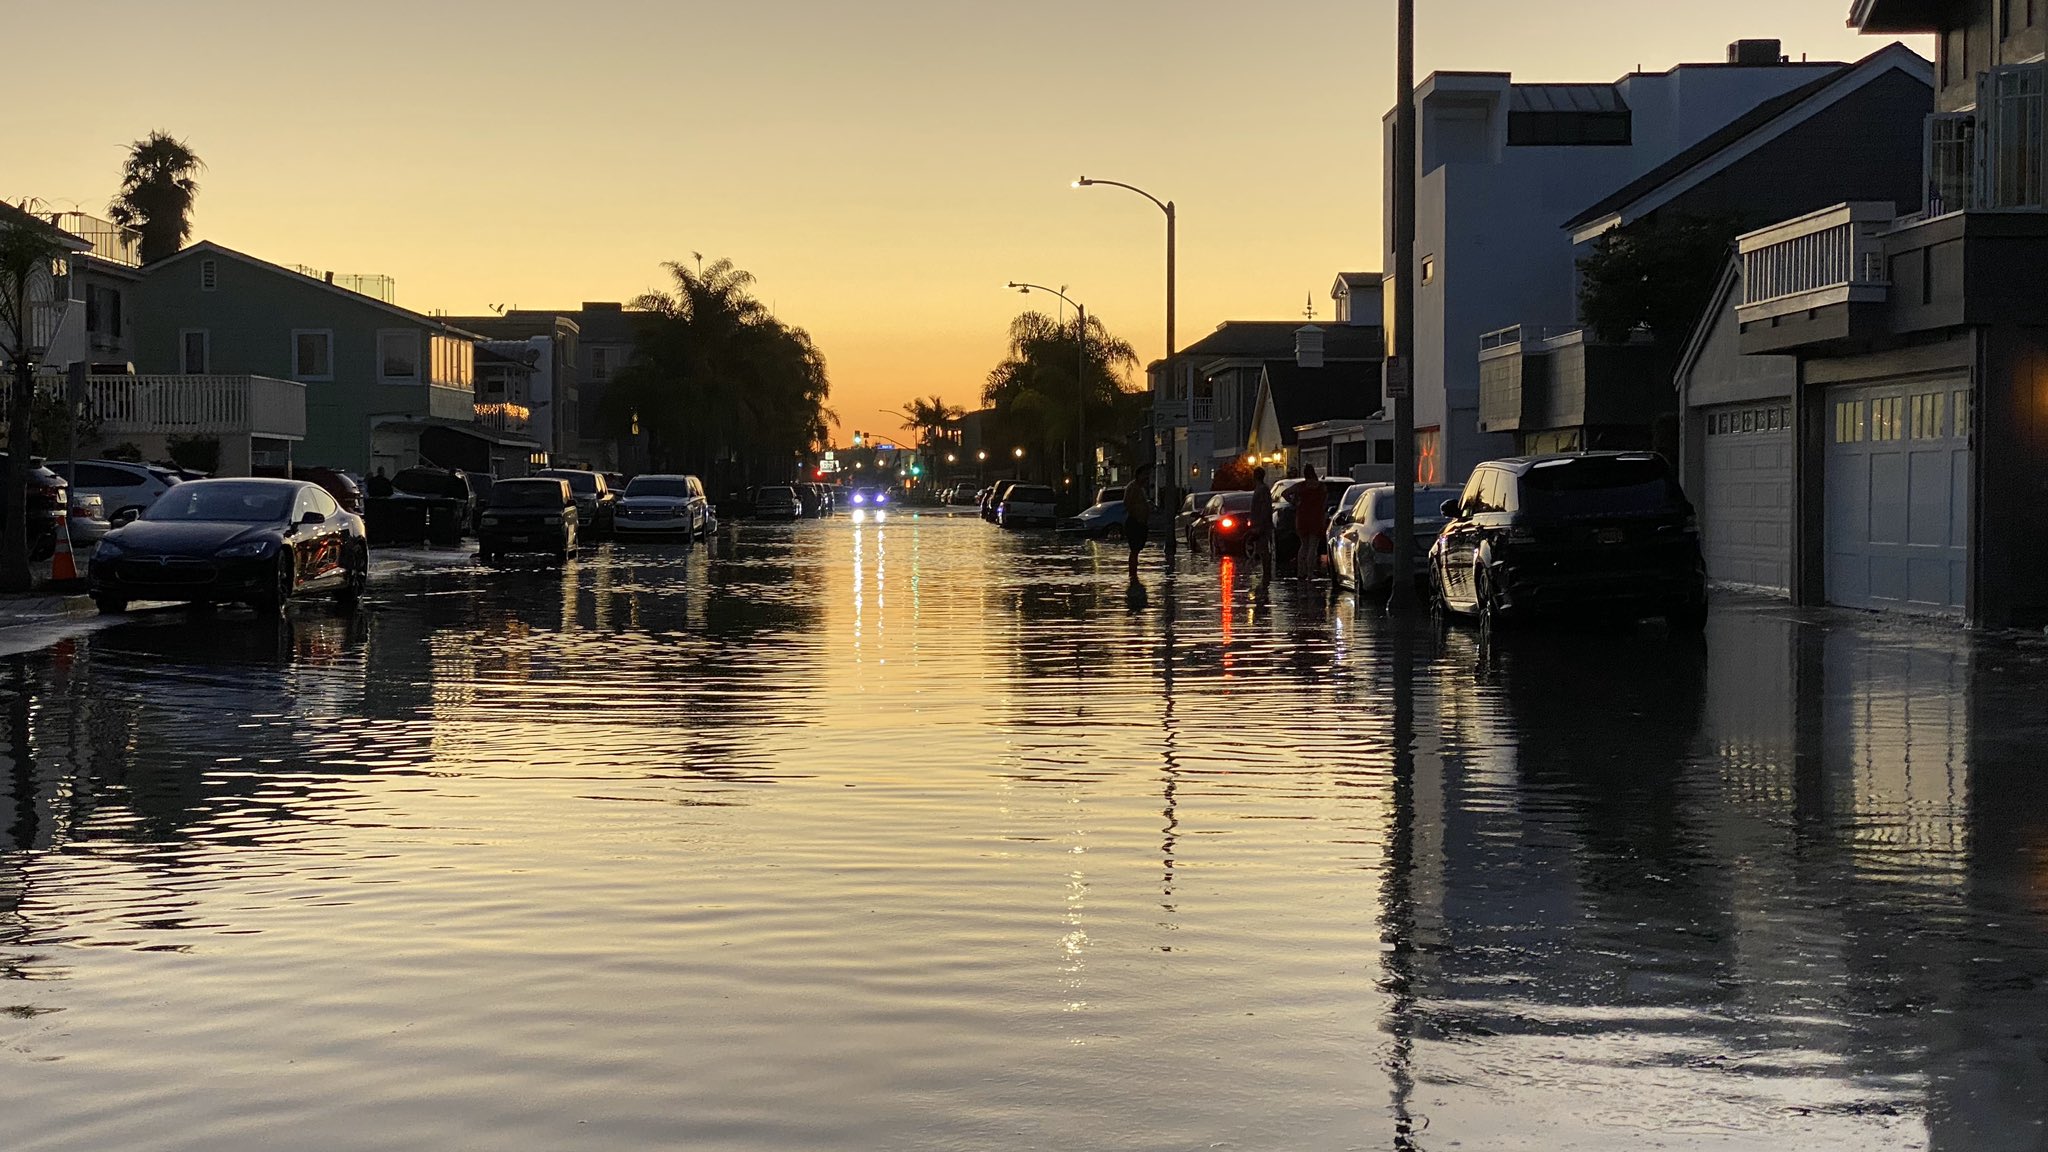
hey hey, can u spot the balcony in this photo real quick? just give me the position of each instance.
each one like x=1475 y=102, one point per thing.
x=1548 y=379
x=504 y=416
x=197 y=406
x=110 y=241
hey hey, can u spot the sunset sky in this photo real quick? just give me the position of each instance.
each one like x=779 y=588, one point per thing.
x=882 y=168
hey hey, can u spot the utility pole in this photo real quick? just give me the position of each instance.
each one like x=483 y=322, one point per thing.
x=1162 y=484
x=1081 y=453
x=1400 y=363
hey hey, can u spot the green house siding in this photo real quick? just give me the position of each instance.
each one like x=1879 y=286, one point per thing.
x=250 y=315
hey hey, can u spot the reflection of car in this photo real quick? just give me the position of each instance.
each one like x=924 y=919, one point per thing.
x=1026 y=505
x=1101 y=521
x=530 y=516
x=1602 y=531
x=664 y=504
x=258 y=541
x=125 y=488
x=1226 y=523
x=1362 y=536
x=777 y=502
x=596 y=503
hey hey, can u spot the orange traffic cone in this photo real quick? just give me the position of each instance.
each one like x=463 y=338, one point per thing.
x=63 y=568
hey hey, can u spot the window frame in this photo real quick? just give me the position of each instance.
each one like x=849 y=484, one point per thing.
x=205 y=351
x=419 y=355
x=296 y=366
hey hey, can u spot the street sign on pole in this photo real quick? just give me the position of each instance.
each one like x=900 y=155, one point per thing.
x=1400 y=378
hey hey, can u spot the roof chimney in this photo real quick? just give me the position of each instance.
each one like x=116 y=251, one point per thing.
x=1756 y=53
x=330 y=277
x=1308 y=347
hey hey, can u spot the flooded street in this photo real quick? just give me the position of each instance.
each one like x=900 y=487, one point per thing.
x=922 y=835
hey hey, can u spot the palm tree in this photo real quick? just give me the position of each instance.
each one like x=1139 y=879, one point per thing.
x=930 y=418
x=715 y=377
x=157 y=190
x=1034 y=395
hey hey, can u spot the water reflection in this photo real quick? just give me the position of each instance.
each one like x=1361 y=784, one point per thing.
x=915 y=833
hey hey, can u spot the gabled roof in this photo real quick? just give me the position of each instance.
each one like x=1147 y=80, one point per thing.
x=1274 y=339
x=1710 y=318
x=1358 y=279
x=1311 y=395
x=208 y=247
x=1743 y=135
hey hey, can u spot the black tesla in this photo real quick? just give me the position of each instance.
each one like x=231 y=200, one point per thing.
x=254 y=541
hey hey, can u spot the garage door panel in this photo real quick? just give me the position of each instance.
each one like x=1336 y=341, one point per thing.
x=1898 y=479
x=1885 y=506
x=1928 y=513
x=1746 y=504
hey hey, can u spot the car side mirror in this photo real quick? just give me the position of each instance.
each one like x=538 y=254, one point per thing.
x=312 y=518
x=1450 y=509
x=124 y=517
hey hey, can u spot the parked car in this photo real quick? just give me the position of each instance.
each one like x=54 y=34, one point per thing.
x=258 y=541
x=778 y=502
x=48 y=493
x=441 y=486
x=965 y=496
x=1361 y=538
x=535 y=515
x=994 y=501
x=664 y=505
x=1028 y=505
x=596 y=503
x=1225 y=525
x=1192 y=507
x=1103 y=520
x=126 y=489
x=616 y=481
x=811 y=498
x=1286 y=494
x=346 y=491
x=1596 y=531
x=87 y=521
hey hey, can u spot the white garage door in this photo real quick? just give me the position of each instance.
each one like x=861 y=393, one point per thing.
x=1898 y=497
x=1746 y=509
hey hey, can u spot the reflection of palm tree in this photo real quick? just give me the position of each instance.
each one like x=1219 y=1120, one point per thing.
x=157 y=190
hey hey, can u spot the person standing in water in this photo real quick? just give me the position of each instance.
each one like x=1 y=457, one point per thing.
x=1138 y=514
x=1310 y=506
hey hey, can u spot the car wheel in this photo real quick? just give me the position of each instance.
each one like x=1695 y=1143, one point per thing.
x=110 y=605
x=1491 y=615
x=351 y=595
x=272 y=600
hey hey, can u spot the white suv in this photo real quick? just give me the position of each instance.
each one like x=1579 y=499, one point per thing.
x=126 y=489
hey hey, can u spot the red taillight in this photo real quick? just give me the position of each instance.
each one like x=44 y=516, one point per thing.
x=1228 y=523
x=1383 y=543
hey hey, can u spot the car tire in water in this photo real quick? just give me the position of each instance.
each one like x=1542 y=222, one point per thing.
x=351 y=595
x=272 y=600
x=1113 y=533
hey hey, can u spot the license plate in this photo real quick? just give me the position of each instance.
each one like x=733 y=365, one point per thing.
x=1611 y=535
x=518 y=539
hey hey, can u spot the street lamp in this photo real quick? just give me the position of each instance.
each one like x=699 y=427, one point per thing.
x=1400 y=365
x=1172 y=384
x=1017 y=454
x=1080 y=372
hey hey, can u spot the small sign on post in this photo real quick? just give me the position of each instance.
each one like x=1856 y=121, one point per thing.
x=1400 y=378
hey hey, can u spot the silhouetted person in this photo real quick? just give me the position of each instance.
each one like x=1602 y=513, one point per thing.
x=1138 y=514
x=380 y=485
x=1312 y=501
x=1258 y=539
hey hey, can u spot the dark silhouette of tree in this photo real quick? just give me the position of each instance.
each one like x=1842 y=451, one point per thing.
x=1655 y=275
x=27 y=249
x=930 y=418
x=718 y=385
x=1034 y=395
x=157 y=190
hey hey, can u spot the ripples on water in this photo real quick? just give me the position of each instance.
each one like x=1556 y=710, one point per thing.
x=916 y=835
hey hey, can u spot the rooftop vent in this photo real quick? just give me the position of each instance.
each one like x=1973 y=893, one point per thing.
x=1308 y=347
x=1757 y=53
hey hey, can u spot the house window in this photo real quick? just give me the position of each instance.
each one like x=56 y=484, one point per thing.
x=209 y=275
x=1964 y=414
x=103 y=311
x=313 y=354
x=2010 y=107
x=195 y=357
x=1428 y=271
x=1888 y=418
x=398 y=354
x=1926 y=416
x=600 y=364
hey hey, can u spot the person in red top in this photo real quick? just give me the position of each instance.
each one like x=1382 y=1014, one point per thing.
x=1310 y=507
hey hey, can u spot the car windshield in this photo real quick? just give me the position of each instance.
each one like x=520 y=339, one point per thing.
x=1428 y=505
x=582 y=483
x=659 y=486
x=1196 y=501
x=527 y=494
x=1231 y=502
x=241 y=503
x=1599 y=486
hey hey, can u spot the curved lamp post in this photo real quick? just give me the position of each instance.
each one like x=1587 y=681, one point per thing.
x=1172 y=383
x=1080 y=374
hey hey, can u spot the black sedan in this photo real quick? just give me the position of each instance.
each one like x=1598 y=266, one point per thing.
x=259 y=542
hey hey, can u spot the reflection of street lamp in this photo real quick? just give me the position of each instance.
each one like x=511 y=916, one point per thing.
x=1080 y=371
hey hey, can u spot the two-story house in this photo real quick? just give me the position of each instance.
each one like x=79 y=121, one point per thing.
x=1919 y=335
x=376 y=377
x=1500 y=165
x=554 y=397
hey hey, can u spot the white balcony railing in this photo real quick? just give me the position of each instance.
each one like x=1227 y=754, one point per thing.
x=110 y=241
x=197 y=405
x=1833 y=256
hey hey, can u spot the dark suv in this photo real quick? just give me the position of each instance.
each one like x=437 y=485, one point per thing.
x=1597 y=531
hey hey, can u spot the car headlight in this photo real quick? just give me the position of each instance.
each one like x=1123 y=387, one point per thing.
x=251 y=549
x=109 y=549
